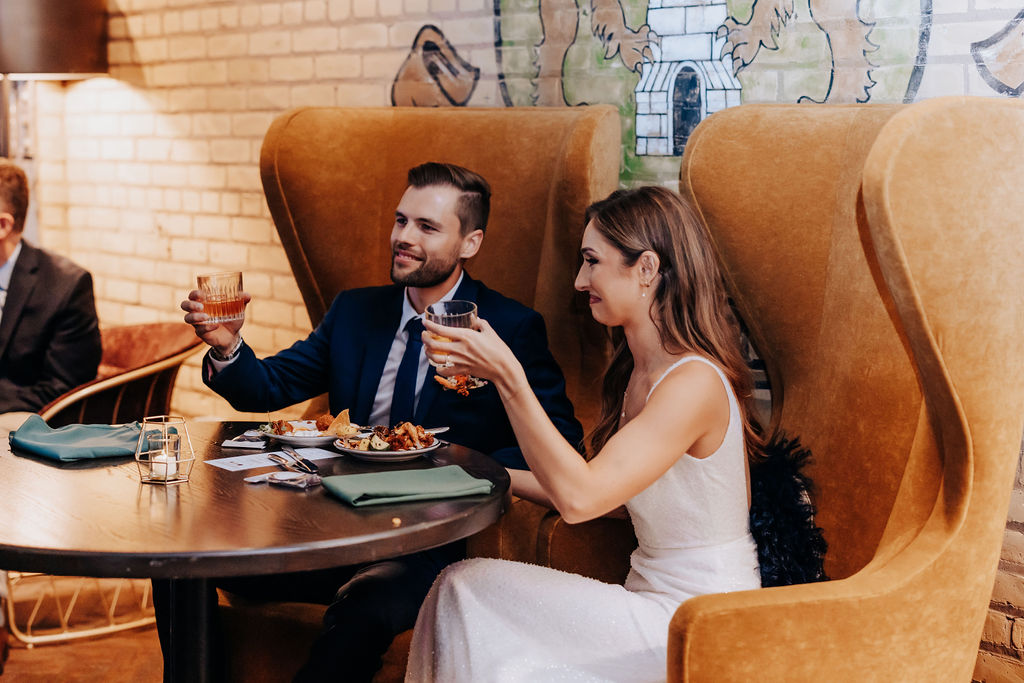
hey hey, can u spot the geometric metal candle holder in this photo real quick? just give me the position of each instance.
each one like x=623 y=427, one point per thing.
x=164 y=451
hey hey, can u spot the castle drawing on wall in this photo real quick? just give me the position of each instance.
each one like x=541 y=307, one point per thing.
x=690 y=76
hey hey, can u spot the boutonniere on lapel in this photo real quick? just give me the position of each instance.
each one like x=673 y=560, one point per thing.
x=460 y=383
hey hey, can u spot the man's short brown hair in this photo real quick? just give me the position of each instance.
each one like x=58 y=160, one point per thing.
x=14 y=192
x=474 y=205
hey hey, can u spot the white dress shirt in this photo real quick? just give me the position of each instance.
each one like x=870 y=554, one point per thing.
x=6 y=271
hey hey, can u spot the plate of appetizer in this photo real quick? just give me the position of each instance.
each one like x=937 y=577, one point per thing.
x=383 y=444
x=322 y=431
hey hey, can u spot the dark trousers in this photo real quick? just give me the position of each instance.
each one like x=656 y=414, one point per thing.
x=3 y=643
x=375 y=602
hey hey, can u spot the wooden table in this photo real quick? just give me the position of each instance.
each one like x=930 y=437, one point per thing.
x=95 y=518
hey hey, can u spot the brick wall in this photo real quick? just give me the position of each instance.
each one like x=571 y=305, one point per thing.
x=150 y=176
x=1002 y=641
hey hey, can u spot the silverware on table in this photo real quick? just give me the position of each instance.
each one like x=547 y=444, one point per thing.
x=304 y=464
x=295 y=477
x=285 y=462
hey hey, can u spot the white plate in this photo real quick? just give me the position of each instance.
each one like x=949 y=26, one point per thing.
x=386 y=456
x=303 y=440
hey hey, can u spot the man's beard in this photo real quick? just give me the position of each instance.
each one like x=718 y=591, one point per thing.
x=430 y=273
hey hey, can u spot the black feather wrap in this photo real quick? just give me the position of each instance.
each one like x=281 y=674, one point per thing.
x=790 y=547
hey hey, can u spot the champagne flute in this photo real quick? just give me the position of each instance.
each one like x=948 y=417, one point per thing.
x=455 y=313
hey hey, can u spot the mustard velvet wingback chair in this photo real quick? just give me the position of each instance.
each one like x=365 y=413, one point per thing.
x=333 y=177
x=877 y=253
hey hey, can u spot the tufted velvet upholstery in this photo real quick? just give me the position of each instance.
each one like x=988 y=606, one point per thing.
x=135 y=378
x=875 y=251
x=333 y=177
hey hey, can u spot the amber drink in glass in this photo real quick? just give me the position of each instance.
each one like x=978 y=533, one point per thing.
x=222 y=296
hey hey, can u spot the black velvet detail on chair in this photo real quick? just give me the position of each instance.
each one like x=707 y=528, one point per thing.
x=790 y=547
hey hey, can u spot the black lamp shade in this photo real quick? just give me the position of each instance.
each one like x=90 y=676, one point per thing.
x=53 y=36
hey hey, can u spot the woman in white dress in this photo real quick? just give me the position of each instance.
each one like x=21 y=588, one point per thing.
x=672 y=446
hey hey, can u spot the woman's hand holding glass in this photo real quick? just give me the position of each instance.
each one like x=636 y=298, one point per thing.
x=453 y=313
x=477 y=351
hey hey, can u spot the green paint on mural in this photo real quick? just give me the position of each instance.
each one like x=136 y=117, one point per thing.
x=897 y=50
x=740 y=10
x=588 y=77
x=521 y=30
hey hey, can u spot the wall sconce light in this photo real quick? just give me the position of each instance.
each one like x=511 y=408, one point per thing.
x=45 y=40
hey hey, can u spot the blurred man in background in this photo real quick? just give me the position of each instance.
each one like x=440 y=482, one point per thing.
x=49 y=332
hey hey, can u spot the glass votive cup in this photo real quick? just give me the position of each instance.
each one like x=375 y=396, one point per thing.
x=164 y=453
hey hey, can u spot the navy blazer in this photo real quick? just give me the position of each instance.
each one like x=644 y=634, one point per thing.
x=345 y=357
x=49 y=332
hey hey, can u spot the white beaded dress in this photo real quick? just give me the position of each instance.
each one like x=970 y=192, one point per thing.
x=489 y=620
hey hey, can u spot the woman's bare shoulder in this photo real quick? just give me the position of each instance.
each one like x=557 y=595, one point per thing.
x=694 y=383
x=694 y=374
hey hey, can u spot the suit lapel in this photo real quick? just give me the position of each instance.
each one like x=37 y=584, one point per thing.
x=23 y=281
x=379 y=333
x=431 y=389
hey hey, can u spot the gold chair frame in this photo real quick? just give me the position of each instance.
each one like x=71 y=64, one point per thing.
x=65 y=612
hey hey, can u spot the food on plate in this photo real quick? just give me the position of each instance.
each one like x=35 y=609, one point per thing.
x=292 y=427
x=403 y=437
x=459 y=383
x=325 y=425
x=342 y=426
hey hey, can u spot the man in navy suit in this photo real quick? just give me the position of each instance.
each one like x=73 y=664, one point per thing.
x=49 y=332
x=357 y=355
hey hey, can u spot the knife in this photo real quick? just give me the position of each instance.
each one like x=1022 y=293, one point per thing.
x=303 y=463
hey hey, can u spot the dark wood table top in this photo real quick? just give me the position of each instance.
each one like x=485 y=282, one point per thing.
x=95 y=518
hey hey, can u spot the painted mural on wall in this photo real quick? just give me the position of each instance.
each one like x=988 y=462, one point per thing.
x=433 y=75
x=1000 y=58
x=668 y=64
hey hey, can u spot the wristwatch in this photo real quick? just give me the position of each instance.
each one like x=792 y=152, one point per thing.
x=218 y=356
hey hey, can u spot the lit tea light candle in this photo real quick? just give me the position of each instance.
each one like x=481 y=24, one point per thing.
x=163 y=466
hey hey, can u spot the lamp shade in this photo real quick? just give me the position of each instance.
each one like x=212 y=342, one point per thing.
x=63 y=37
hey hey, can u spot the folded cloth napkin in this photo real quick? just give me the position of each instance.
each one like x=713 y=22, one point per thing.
x=400 y=486
x=74 y=442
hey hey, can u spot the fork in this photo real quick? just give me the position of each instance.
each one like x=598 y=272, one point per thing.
x=285 y=463
x=303 y=464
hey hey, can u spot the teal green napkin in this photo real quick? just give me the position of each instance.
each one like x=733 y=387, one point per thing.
x=74 y=442
x=400 y=486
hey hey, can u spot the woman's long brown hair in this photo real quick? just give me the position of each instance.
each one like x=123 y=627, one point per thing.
x=690 y=307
